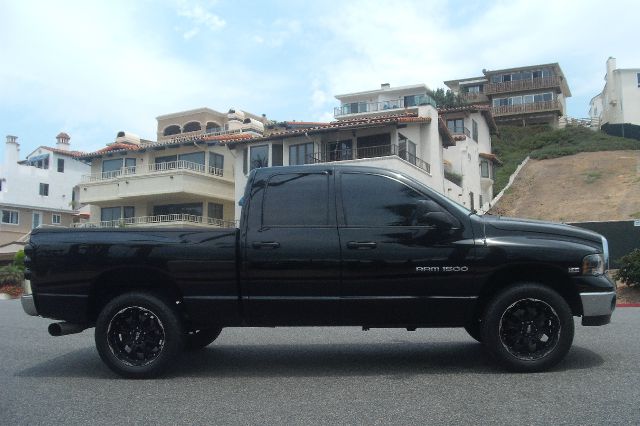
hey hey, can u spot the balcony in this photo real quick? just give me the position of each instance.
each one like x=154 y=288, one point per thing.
x=371 y=152
x=522 y=85
x=546 y=106
x=154 y=180
x=385 y=106
x=471 y=97
x=460 y=131
x=166 y=220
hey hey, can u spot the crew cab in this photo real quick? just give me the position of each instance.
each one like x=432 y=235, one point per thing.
x=323 y=245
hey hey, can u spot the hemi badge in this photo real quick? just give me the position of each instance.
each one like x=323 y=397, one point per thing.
x=574 y=270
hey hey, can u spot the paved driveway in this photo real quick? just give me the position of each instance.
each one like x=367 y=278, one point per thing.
x=320 y=376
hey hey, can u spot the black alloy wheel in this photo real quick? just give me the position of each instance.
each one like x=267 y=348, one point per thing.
x=135 y=336
x=528 y=327
x=139 y=335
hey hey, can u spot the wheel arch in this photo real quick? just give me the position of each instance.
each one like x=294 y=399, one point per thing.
x=117 y=281
x=548 y=275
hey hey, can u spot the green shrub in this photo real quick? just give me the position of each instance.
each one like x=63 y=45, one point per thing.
x=629 y=272
x=18 y=259
x=11 y=275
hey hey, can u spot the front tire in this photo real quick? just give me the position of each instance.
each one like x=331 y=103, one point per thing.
x=528 y=327
x=138 y=335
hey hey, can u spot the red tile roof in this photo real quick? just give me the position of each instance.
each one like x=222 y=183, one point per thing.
x=483 y=109
x=61 y=151
x=491 y=157
x=354 y=123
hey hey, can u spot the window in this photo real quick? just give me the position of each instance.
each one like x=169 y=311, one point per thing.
x=471 y=201
x=245 y=156
x=192 y=126
x=44 y=189
x=193 y=209
x=165 y=160
x=213 y=127
x=171 y=130
x=297 y=199
x=215 y=211
x=276 y=154
x=10 y=217
x=301 y=154
x=111 y=168
x=484 y=168
x=340 y=150
x=638 y=77
x=474 y=130
x=60 y=165
x=110 y=213
x=374 y=200
x=216 y=163
x=39 y=161
x=480 y=201
x=407 y=150
x=472 y=89
x=128 y=212
x=192 y=161
x=55 y=219
x=130 y=165
x=36 y=220
x=259 y=157
x=456 y=125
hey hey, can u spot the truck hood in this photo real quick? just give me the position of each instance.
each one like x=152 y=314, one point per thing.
x=539 y=227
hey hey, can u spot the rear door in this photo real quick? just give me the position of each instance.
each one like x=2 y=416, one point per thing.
x=397 y=269
x=291 y=271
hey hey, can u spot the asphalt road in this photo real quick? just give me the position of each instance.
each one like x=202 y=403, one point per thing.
x=320 y=376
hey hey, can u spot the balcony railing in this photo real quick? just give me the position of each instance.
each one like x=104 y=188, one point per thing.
x=527 y=108
x=370 y=152
x=520 y=85
x=153 y=168
x=159 y=220
x=368 y=107
x=460 y=131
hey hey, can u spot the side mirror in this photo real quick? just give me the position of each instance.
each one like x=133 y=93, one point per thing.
x=442 y=220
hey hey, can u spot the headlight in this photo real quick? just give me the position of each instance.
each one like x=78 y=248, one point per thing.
x=605 y=252
x=593 y=265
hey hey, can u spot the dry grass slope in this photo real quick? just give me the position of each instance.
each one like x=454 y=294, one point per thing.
x=589 y=186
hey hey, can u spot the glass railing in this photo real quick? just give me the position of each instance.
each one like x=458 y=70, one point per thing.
x=370 y=107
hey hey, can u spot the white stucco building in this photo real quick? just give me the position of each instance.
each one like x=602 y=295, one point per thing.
x=39 y=189
x=617 y=107
x=187 y=178
x=395 y=128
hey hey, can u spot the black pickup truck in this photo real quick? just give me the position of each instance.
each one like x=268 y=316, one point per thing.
x=323 y=246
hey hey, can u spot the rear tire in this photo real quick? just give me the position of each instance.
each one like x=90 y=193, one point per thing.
x=528 y=327
x=139 y=335
x=200 y=339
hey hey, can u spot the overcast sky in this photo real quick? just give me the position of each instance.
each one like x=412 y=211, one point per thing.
x=93 y=68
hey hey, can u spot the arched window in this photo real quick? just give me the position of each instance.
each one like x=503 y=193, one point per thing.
x=192 y=126
x=171 y=130
x=213 y=127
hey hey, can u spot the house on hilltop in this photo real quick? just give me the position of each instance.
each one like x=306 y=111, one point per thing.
x=38 y=190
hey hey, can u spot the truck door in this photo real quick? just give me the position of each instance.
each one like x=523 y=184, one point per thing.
x=399 y=268
x=291 y=271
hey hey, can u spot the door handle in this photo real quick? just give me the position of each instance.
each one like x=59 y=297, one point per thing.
x=361 y=245
x=265 y=244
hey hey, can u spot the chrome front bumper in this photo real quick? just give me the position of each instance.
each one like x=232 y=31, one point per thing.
x=27 y=301
x=597 y=307
x=596 y=304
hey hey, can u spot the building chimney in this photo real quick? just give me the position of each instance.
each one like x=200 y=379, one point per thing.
x=385 y=86
x=63 y=141
x=11 y=150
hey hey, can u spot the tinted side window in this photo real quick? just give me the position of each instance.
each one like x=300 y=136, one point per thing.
x=373 y=200
x=296 y=199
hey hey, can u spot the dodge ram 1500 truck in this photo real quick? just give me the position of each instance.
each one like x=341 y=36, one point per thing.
x=323 y=245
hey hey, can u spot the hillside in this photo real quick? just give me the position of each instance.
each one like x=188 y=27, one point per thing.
x=513 y=144
x=589 y=186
